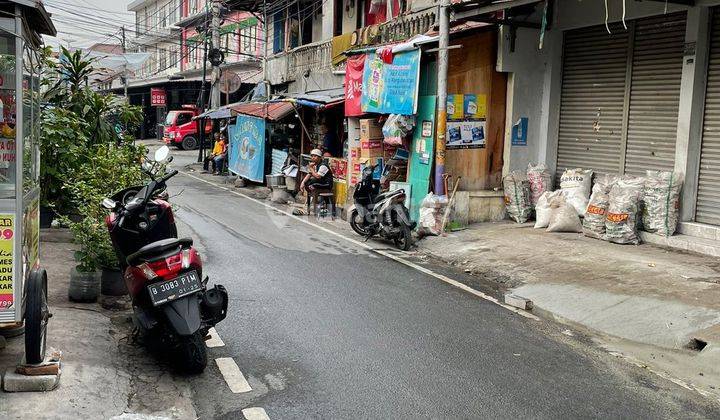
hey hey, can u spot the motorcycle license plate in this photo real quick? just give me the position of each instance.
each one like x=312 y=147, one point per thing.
x=166 y=291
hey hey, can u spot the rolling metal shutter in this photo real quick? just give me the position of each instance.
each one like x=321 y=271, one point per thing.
x=657 y=62
x=620 y=96
x=592 y=99
x=708 y=196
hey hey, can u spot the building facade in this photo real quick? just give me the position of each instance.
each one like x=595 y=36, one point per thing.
x=172 y=32
x=621 y=96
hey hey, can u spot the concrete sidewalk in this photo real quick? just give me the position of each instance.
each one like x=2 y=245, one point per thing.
x=104 y=374
x=648 y=303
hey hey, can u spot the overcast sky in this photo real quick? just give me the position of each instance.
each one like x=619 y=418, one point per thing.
x=85 y=22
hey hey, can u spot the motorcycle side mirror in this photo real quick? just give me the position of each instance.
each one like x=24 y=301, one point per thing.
x=162 y=153
x=109 y=203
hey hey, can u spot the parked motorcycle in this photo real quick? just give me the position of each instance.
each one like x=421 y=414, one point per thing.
x=382 y=214
x=172 y=306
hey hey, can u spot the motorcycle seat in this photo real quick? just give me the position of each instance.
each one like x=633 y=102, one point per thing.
x=158 y=247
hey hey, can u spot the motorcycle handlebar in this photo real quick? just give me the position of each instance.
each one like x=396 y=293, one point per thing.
x=169 y=175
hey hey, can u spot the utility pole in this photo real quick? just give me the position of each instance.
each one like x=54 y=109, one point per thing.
x=441 y=126
x=201 y=121
x=265 y=45
x=124 y=76
x=215 y=27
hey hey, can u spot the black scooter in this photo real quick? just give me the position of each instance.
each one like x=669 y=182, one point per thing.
x=382 y=214
x=172 y=306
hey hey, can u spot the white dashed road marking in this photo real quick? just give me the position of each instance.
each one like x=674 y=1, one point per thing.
x=255 y=413
x=215 y=340
x=233 y=377
x=393 y=257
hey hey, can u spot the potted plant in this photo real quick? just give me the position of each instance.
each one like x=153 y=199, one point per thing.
x=112 y=282
x=85 y=276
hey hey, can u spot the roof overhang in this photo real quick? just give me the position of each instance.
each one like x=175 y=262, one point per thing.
x=470 y=9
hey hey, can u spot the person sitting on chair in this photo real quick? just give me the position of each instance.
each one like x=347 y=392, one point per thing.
x=319 y=176
x=216 y=151
x=219 y=160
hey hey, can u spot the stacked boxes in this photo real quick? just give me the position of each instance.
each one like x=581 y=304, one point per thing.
x=371 y=148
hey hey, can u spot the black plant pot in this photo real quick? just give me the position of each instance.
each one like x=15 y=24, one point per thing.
x=83 y=286
x=112 y=282
x=47 y=215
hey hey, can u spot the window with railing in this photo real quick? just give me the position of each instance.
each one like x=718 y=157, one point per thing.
x=248 y=39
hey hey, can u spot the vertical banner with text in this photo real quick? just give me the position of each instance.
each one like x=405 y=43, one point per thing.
x=353 y=85
x=7 y=241
x=246 y=156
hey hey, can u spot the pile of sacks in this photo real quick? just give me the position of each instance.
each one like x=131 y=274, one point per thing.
x=611 y=209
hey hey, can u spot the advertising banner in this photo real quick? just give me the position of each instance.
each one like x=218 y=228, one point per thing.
x=7 y=240
x=465 y=134
x=353 y=85
x=391 y=88
x=158 y=97
x=246 y=156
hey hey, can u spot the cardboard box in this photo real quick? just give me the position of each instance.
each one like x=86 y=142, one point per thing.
x=354 y=152
x=371 y=148
x=370 y=129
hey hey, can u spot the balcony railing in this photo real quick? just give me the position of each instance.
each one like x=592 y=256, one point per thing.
x=315 y=56
x=404 y=27
x=293 y=64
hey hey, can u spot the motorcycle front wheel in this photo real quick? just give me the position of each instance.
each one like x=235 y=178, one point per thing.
x=192 y=354
x=357 y=223
x=404 y=239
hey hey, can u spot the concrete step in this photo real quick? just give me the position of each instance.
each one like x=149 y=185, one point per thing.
x=684 y=242
x=699 y=230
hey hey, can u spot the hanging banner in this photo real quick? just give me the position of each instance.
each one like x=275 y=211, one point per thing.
x=353 y=85
x=391 y=88
x=246 y=157
x=7 y=240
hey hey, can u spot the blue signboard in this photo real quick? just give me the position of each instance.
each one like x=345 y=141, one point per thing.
x=246 y=156
x=391 y=88
x=519 y=132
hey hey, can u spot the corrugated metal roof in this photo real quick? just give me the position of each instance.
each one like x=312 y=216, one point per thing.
x=272 y=111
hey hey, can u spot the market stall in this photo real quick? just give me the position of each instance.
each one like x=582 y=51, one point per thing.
x=321 y=118
x=263 y=134
x=389 y=126
x=23 y=284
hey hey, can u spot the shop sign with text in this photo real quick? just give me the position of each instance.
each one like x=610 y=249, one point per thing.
x=391 y=88
x=247 y=148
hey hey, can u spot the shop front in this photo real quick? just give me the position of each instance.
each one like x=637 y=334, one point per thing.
x=382 y=105
x=320 y=115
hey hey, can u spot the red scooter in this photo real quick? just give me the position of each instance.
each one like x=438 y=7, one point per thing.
x=172 y=306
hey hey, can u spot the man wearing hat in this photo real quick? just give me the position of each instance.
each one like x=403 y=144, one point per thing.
x=319 y=175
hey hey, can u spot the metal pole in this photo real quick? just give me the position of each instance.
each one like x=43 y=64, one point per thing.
x=265 y=45
x=215 y=25
x=125 y=80
x=441 y=126
x=201 y=121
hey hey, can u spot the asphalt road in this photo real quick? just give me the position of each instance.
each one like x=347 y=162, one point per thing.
x=324 y=328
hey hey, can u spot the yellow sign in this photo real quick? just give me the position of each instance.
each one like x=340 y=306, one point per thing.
x=7 y=239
